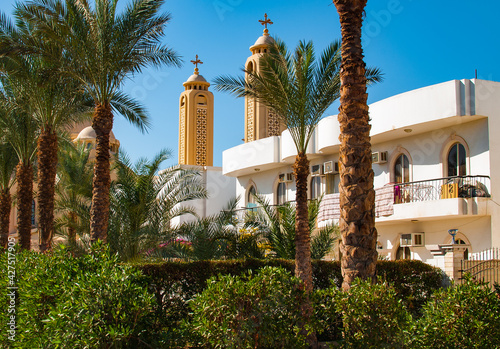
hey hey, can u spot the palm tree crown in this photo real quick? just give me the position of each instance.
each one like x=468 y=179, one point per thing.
x=105 y=48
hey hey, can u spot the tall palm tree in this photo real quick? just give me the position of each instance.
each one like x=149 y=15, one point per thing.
x=55 y=100
x=144 y=200
x=299 y=89
x=105 y=48
x=74 y=193
x=8 y=162
x=20 y=130
x=357 y=214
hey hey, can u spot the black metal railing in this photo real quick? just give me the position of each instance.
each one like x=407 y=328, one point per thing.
x=442 y=188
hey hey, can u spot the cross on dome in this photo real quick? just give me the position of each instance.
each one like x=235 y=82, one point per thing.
x=196 y=62
x=265 y=22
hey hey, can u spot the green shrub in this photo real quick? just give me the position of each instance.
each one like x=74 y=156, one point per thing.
x=252 y=311
x=414 y=281
x=85 y=302
x=372 y=315
x=462 y=316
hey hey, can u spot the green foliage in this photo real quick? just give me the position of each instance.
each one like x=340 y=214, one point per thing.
x=215 y=237
x=85 y=302
x=372 y=316
x=174 y=283
x=462 y=316
x=413 y=280
x=252 y=311
x=276 y=225
x=143 y=201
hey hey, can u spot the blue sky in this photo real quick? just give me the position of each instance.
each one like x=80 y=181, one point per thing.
x=414 y=42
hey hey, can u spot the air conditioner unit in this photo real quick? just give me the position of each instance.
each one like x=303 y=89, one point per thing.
x=286 y=177
x=317 y=170
x=413 y=239
x=331 y=167
x=379 y=157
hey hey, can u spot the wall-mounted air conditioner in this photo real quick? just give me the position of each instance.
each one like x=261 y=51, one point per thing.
x=286 y=177
x=413 y=239
x=317 y=170
x=331 y=167
x=379 y=157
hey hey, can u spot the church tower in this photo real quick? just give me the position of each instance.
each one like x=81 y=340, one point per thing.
x=260 y=122
x=196 y=121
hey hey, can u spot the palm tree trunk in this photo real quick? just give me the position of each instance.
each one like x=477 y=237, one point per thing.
x=303 y=267
x=102 y=123
x=47 y=166
x=357 y=196
x=72 y=222
x=24 y=175
x=5 y=205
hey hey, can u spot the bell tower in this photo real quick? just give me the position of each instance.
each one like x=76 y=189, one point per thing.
x=260 y=122
x=196 y=121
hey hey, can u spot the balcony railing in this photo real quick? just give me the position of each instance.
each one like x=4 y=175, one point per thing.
x=442 y=188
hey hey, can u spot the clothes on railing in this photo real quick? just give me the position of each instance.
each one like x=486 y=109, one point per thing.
x=384 y=204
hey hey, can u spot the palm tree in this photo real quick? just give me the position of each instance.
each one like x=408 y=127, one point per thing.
x=20 y=130
x=298 y=89
x=74 y=193
x=214 y=237
x=278 y=226
x=8 y=162
x=357 y=214
x=53 y=99
x=105 y=48
x=144 y=200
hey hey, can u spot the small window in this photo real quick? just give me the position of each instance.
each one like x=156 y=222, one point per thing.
x=281 y=193
x=403 y=253
x=33 y=213
x=315 y=187
x=402 y=169
x=456 y=160
x=332 y=183
x=251 y=197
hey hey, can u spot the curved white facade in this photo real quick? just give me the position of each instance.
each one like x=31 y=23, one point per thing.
x=423 y=125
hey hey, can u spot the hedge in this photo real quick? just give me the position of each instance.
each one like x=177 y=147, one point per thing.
x=174 y=284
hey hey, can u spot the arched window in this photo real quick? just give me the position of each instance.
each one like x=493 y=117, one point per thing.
x=315 y=187
x=251 y=197
x=281 y=193
x=457 y=160
x=402 y=169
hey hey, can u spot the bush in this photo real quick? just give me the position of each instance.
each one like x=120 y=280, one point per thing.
x=462 y=316
x=414 y=281
x=372 y=315
x=253 y=311
x=85 y=302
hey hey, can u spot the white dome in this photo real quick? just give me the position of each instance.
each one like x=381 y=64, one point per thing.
x=263 y=40
x=196 y=78
x=89 y=133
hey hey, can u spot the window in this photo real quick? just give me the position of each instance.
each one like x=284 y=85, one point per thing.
x=402 y=169
x=456 y=160
x=332 y=183
x=33 y=212
x=281 y=193
x=403 y=253
x=251 y=197
x=315 y=187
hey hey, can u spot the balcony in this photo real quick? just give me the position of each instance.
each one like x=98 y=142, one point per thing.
x=442 y=188
x=429 y=199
